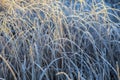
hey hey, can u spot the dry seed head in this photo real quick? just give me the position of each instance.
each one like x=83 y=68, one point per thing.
x=4 y=3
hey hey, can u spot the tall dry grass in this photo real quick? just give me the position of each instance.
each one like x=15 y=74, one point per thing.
x=59 y=40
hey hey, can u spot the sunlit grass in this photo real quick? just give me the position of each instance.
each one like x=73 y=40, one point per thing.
x=50 y=40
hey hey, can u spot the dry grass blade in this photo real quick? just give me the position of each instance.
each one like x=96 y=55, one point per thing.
x=6 y=62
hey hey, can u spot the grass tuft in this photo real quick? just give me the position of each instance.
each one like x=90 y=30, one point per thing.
x=59 y=40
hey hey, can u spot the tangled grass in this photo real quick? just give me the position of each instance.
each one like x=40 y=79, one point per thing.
x=59 y=40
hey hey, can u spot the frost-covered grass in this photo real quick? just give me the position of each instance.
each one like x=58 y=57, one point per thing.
x=59 y=40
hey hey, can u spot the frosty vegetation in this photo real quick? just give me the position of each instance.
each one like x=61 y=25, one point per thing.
x=59 y=40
